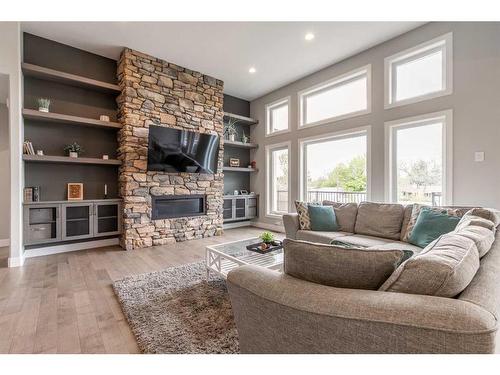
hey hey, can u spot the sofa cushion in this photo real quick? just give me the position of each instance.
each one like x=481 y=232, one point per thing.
x=364 y=241
x=479 y=229
x=444 y=268
x=319 y=237
x=379 y=219
x=453 y=211
x=430 y=225
x=345 y=213
x=322 y=218
x=338 y=266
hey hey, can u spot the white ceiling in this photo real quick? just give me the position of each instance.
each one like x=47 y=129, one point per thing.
x=226 y=50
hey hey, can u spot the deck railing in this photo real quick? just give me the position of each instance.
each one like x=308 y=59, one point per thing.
x=322 y=195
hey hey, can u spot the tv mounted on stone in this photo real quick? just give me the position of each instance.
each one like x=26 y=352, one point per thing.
x=176 y=150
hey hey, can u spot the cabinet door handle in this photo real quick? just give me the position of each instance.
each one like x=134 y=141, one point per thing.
x=38 y=229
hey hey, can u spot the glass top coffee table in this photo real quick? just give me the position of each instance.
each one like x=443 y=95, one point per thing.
x=225 y=257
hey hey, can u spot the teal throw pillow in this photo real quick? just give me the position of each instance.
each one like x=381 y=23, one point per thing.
x=430 y=225
x=323 y=218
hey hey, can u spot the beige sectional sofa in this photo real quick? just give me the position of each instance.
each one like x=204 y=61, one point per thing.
x=279 y=313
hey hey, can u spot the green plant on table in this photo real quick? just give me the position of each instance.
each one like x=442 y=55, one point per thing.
x=267 y=237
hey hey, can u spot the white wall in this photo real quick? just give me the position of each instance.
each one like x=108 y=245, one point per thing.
x=475 y=104
x=10 y=64
x=4 y=174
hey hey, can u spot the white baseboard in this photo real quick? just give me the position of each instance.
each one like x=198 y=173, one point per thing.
x=237 y=224
x=273 y=227
x=57 y=249
x=4 y=242
x=15 y=261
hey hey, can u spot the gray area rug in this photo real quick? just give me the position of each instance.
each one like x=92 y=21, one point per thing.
x=178 y=311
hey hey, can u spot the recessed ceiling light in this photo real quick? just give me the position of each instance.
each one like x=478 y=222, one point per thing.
x=309 y=36
x=252 y=70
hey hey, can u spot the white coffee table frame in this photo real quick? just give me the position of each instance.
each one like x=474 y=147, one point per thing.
x=219 y=262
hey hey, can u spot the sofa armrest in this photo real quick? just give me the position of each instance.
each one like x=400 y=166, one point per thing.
x=291 y=224
x=277 y=313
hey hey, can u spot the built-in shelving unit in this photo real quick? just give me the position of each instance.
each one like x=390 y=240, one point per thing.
x=68 y=160
x=242 y=120
x=32 y=114
x=48 y=74
x=240 y=169
x=227 y=142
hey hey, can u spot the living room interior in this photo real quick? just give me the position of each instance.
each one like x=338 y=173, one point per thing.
x=166 y=194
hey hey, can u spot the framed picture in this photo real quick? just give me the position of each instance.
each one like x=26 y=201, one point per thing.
x=233 y=162
x=75 y=191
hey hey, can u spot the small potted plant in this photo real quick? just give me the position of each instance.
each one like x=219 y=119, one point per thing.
x=267 y=240
x=230 y=129
x=244 y=138
x=43 y=104
x=73 y=150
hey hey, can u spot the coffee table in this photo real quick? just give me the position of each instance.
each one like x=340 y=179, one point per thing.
x=225 y=257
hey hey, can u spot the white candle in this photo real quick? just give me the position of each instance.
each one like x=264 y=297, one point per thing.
x=105 y=189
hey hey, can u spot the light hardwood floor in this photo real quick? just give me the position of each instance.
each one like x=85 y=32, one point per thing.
x=64 y=303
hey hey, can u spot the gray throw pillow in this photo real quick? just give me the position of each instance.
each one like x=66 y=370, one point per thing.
x=340 y=266
x=345 y=214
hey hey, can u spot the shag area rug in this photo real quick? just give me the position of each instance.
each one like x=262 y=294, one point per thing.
x=178 y=311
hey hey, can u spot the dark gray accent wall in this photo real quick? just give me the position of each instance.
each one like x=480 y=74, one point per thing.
x=69 y=100
x=236 y=105
x=50 y=54
x=237 y=180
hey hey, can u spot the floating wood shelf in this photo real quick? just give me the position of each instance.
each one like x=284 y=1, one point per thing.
x=242 y=120
x=68 y=160
x=48 y=74
x=35 y=115
x=240 y=144
x=239 y=169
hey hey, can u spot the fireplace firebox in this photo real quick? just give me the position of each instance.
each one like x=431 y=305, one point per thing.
x=172 y=206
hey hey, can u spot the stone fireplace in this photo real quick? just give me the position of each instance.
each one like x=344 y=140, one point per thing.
x=155 y=92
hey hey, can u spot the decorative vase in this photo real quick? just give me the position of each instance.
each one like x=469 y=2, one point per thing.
x=244 y=139
x=43 y=109
x=73 y=154
x=231 y=137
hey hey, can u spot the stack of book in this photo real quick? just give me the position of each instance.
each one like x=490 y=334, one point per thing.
x=28 y=148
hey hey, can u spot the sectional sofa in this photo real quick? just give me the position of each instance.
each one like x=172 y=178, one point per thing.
x=416 y=310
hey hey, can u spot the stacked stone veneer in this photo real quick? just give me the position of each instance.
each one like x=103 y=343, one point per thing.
x=160 y=93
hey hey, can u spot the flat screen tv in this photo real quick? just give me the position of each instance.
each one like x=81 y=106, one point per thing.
x=175 y=150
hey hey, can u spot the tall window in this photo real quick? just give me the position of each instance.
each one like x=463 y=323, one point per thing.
x=277 y=116
x=341 y=97
x=335 y=167
x=420 y=73
x=419 y=159
x=278 y=178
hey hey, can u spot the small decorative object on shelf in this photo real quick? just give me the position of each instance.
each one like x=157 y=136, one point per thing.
x=253 y=164
x=243 y=192
x=234 y=162
x=73 y=150
x=36 y=193
x=244 y=138
x=28 y=194
x=236 y=192
x=39 y=152
x=104 y=118
x=75 y=191
x=230 y=129
x=28 y=148
x=43 y=104
x=105 y=191
x=105 y=157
